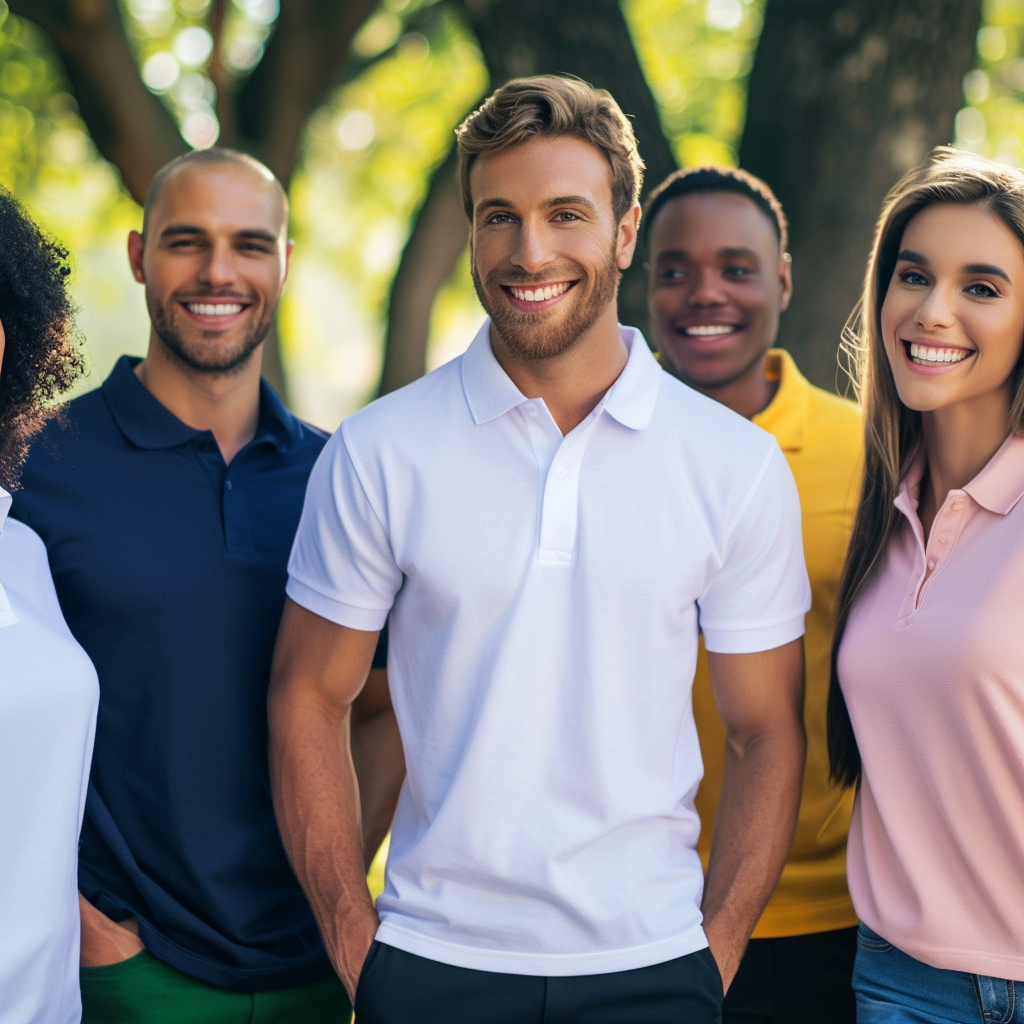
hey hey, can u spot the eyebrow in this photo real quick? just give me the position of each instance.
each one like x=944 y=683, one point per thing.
x=259 y=234
x=570 y=201
x=909 y=256
x=730 y=251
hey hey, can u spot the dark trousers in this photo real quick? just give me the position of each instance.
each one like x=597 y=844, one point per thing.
x=805 y=979
x=400 y=988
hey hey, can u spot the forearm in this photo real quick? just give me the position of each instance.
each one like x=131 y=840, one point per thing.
x=316 y=799
x=380 y=767
x=754 y=827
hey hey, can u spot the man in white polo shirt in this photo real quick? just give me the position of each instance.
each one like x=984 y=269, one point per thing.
x=548 y=520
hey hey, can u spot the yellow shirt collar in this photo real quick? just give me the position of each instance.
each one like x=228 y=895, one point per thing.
x=786 y=416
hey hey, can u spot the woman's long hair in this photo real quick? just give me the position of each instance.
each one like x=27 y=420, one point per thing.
x=892 y=432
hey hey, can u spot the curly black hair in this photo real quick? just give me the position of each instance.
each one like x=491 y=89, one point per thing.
x=42 y=354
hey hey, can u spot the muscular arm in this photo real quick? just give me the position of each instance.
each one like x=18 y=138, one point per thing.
x=319 y=670
x=760 y=699
x=379 y=760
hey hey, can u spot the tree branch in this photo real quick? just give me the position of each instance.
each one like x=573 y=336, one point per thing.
x=129 y=125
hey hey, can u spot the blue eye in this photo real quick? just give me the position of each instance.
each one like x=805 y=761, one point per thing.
x=985 y=291
x=913 y=277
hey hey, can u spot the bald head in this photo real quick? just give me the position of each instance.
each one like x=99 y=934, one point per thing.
x=199 y=160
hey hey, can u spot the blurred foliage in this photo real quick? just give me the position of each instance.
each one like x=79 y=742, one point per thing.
x=992 y=119
x=415 y=72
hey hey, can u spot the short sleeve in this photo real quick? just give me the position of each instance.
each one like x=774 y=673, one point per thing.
x=758 y=598
x=341 y=566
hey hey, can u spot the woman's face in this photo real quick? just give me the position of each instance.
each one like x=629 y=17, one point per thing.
x=953 y=317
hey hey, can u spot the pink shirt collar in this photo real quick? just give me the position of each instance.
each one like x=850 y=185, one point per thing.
x=998 y=487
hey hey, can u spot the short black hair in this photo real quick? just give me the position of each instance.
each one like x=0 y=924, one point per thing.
x=42 y=349
x=714 y=178
x=211 y=155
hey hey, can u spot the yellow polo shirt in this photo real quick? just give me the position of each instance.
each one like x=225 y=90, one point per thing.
x=821 y=438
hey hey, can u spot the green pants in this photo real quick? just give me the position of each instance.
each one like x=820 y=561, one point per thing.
x=145 y=990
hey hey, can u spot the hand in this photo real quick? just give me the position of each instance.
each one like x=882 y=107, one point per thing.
x=353 y=941
x=104 y=941
x=726 y=953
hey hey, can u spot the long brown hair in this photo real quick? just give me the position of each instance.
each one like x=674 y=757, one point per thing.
x=892 y=432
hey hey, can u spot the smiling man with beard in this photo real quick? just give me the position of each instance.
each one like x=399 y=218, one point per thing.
x=168 y=504
x=549 y=520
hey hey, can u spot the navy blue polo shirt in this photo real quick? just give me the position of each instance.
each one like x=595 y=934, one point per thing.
x=170 y=567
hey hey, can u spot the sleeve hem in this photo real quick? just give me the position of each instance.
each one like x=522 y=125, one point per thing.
x=369 y=620
x=752 y=641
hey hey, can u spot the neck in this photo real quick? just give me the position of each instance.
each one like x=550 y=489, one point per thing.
x=226 y=404
x=959 y=440
x=748 y=394
x=572 y=383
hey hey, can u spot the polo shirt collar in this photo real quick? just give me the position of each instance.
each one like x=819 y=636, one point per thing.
x=490 y=392
x=150 y=425
x=787 y=414
x=1000 y=485
x=997 y=488
x=5 y=507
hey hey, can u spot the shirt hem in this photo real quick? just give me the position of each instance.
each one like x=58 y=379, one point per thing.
x=234 y=979
x=990 y=965
x=753 y=641
x=550 y=965
x=369 y=620
x=806 y=919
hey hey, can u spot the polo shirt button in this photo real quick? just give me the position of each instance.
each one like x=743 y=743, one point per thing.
x=561 y=472
x=931 y=563
x=228 y=485
x=533 y=411
x=958 y=503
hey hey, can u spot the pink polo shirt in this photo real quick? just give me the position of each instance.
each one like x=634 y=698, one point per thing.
x=932 y=668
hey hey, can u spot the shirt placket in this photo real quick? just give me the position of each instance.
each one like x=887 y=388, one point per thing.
x=933 y=556
x=559 y=462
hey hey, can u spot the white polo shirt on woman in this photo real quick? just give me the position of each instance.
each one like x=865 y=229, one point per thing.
x=545 y=595
x=48 y=699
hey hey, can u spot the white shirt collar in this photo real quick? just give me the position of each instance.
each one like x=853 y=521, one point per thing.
x=490 y=392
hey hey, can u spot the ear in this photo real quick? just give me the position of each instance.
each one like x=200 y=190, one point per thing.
x=786 y=280
x=135 y=247
x=628 y=233
x=289 y=245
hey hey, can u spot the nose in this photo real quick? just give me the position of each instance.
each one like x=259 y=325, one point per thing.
x=218 y=269
x=707 y=290
x=935 y=310
x=531 y=252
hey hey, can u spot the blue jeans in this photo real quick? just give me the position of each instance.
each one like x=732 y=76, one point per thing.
x=894 y=988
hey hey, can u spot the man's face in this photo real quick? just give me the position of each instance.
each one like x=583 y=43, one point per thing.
x=717 y=285
x=213 y=262
x=546 y=247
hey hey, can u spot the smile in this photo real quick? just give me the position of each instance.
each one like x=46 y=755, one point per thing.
x=927 y=355
x=710 y=330
x=540 y=293
x=214 y=308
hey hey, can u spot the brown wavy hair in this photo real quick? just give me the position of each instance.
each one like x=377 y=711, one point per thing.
x=892 y=432
x=547 y=106
x=42 y=353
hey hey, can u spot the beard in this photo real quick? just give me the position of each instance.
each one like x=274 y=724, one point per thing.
x=530 y=336
x=209 y=352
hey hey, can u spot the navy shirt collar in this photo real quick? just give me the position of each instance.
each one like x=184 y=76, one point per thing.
x=148 y=424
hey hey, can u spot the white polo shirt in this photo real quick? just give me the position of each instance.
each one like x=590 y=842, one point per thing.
x=48 y=699
x=545 y=596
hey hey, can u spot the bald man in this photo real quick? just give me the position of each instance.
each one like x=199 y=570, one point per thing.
x=168 y=507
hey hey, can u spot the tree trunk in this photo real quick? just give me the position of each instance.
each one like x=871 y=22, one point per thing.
x=844 y=98
x=586 y=38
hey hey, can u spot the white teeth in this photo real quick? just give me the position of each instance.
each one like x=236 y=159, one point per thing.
x=214 y=308
x=549 y=291
x=709 y=330
x=929 y=356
